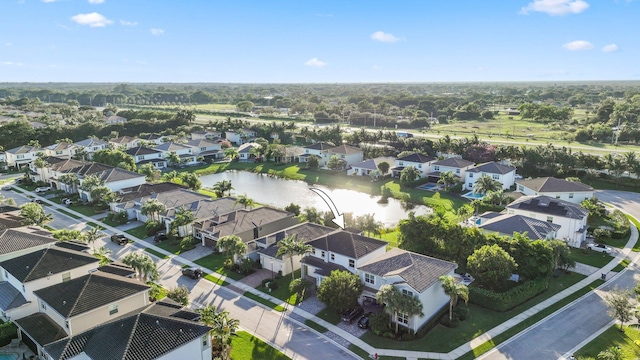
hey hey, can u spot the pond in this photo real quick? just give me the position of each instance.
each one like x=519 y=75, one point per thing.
x=280 y=193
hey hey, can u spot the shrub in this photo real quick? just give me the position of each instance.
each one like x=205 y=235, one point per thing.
x=453 y=323
x=179 y=294
x=119 y=217
x=462 y=312
x=228 y=264
x=247 y=265
x=8 y=332
x=407 y=336
x=388 y=334
x=187 y=241
x=153 y=227
x=509 y=299
x=379 y=323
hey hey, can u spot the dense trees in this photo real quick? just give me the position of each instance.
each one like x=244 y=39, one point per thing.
x=491 y=266
x=340 y=290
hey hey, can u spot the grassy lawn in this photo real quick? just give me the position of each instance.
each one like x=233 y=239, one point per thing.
x=391 y=238
x=636 y=223
x=68 y=213
x=590 y=257
x=246 y=346
x=140 y=232
x=109 y=222
x=315 y=326
x=172 y=246
x=628 y=341
x=88 y=210
x=329 y=315
x=282 y=292
x=265 y=302
x=94 y=225
x=215 y=262
x=216 y=280
x=156 y=253
x=623 y=264
x=444 y=339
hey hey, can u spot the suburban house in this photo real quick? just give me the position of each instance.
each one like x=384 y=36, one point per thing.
x=151 y=139
x=246 y=151
x=208 y=149
x=146 y=189
x=507 y=224
x=185 y=153
x=89 y=146
x=413 y=275
x=571 y=217
x=10 y=218
x=164 y=330
x=15 y=242
x=210 y=135
x=505 y=175
x=126 y=142
x=79 y=304
x=42 y=268
x=292 y=154
x=455 y=165
x=319 y=150
x=352 y=155
x=61 y=150
x=365 y=168
x=114 y=178
x=268 y=246
x=340 y=250
x=248 y=224
x=115 y=119
x=239 y=137
x=419 y=161
x=572 y=191
x=170 y=199
x=22 y=155
x=144 y=155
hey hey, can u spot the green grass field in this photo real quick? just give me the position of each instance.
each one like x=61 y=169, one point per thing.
x=140 y=232
x=215 y=262
x=628 y=341
x=282 y=292
x=590 y=257
x=246 y=346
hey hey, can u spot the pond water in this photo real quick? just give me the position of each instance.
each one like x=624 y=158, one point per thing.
x=280 y=193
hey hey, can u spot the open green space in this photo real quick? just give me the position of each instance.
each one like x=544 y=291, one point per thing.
x=140 y=232
x=444 y=339
x=391 y=238
x=590 y=257
x=636 y=223
x=265 y=302
x=87 y=210
x=627 y=340
x=246 y=346
x=359 y=351
x=106 y=221
x=156 y=253
x=214 y=262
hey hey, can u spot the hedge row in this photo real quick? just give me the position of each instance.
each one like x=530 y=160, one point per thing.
x=8 y=332
x=507 y=300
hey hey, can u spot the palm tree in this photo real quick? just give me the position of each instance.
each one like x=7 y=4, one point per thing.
x=142 y=264
x=369 y=224
x=40 y=164
x=454 y=291
x=170 y=176
x=152 y=208
x=311 y=215
x=447 y=179
x=183 y=218
x=485 y=183
x=223 y=328
x=245 y=201
x=290 y=247
x=231 y=246
x=231 y=153
x=411 y=306
x=103 y=254
x=91 y=236
x=495 y=197
x=409 y=174
x=221 y=187
x=390 y=296
x=173 y=159
x=70 y=180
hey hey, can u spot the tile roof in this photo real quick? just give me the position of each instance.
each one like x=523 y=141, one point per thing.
x=142 y=150
x=418 y=271
x=246 y=147
x=65 y=165
x=123 y=140
x=10 y=219
x=417 y=158
x=73 y=245
x=106 y=173
x=372 y=164
x=170 y=199
x=91 y=142
x=118 y=268
x=345 y=149
x=301 y=232
x=141 y=336
x=171 y=146
x=324 y=268
x=347 y=244
x=41 y=328
x=169 y=308
x=242 y=220
x=23 y=149
x=89 y=292
x=203 y=209
x=10 y=297
x=320 y=146
x=508 y=224
x=201 y=143
x=551 y=184
x=550 y=206
x=59 y=146
x=492 y=168
x=42 y=263
x=20 y=238
x=147 y=189
x=149 y=137
x=454 y=162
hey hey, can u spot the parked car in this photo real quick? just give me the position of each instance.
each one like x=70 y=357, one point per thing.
x=600 y=248
x=160 y=236
x=37 y=201
x=352 y=314
x=67 y=201
x=43 y=189
x=6 y=187
x=120 y=239
x=194 y=273
x=363 y=323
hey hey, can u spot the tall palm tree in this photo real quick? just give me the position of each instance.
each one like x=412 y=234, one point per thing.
x=311 y=215
x=454 y=291
x=183 y=218
x=152 y=208
x=142 y=264
x=485 y=183
x=409 y=174
x=290 y=247
x=231 y=153
x=369 y=224
x=411 y=306
x=223 y=328
x=222 y=187
x=40 y=164
x=170 y=176
x=390 y=296
x=447 y=178
x=173 y=158
x=245 y=201
x=70 y=180
x=90 y=236
x=231 y=246
x=103 y=254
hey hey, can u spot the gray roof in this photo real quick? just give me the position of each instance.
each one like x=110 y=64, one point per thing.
x=201 y=143
x=170 y=199
x=106 y=173
x=10 y=297
x=347 y=244
x=242 y=220
x=123 y=140
x=320 y=146
x=551 y=184
x=171 y=146
x=454 y=162
x=142 y=150
x=59 y=146
x=550 y=206
x=301 y=232
x=16 y=239
x=345 y=149
x=89 y=292
x=246 y=147
x=508 y=224
x=42 y=263
x=324 y=268
x=418 y=271
x=372 y=164
x=417 y=158
x=41 y=328
x=492 y=168
x=118 y=268
x=147 y=189
x=23 y=149
x=91 y=142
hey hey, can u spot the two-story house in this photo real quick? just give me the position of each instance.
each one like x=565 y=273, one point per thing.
x=572 y=191
x=61 y=150
x=319 y=150
x=170 y=199
x=571 y=217
x=151 y=139
x=504 y=174
x=455 y=165
x=239 y=137
x=340 y=250
x=185 y=153
x=413 y=275
x=124 y=142
x=246 y=151
x=350 y=154
x=419 y=161
x=18 y=241
x=144 y=155
x=206 y=148
x=114 y=178
x=89 y=146
x=507 y=224
x=205 y=134
x=22 y=155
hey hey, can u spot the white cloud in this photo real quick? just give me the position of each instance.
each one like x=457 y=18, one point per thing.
x=610 y=48
x=92 y=19
x=128 y=23
x=8 y=43
x=556 y=7
x=384 y=37
x=578 y=45
x=11 y=63
x=156 y=32
x=316 y=63
x=95 y=1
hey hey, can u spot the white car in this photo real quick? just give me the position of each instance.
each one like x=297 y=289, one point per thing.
x=42 y=189
x=600 y=248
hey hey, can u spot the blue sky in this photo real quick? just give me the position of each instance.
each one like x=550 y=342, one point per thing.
x=318 y=41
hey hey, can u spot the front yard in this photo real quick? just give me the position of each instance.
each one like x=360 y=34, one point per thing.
x=246 y=346
x=590 y=257
x=282 y=292
x=215 y=262
x=140 y=232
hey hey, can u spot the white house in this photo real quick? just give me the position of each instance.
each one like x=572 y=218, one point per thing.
x=114 y=178
x=245 y=152
x=208 y=149
x=419 y=161
x=126 y=142
x=507 y=224
x=22 y=155
x=413 y=275
x=572 y=191
x=365 y=168
x=571 y=217
x=352 y=155
x=455 y=165
x=505 y=175
x=61 y=150
x=144 y=155
x=205 y=134
x=239 y=136
x=151 y=139
x=115 y=119
x=90 y=146
x=185 y=153
x=320 y=150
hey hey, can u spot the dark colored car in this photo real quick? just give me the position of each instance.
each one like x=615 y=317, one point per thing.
x=194 y=273
x=161 y=236
x=38 y=201
x=363 y=323
x=120 y=239
x=352 y=314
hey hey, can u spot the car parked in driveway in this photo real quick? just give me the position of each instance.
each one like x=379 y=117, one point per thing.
x=38 y=201
x=120 y=239
x=160 y=236
x=600 y=248
x=67 y=201
x=42 y=189
x=194 y=273
x=352 y=314
x=363 y=323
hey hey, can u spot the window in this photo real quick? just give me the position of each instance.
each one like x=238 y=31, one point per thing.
x=342 y=156
x=6 y=273
x=558 y=196
x=66 y=276
x=20 y=157
x=66 y=324
x=403 y=318
x=369 y=279
x=322 y=254
x=203 y=149
x=43 y=306
x=95 y=148
x=400 y=163
x=550 y=219
x=333 y=257
x=113 y=309
x=570 y=195
x=23 y=289
x=352 y=263
x=457 y=171
x=470 y=175
x=205 y=343
x=436 y=168
x=520 y=188
x=470 y=185
x=407 y=292
x=495 y=177
x=141 y=157
x=59 y=152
